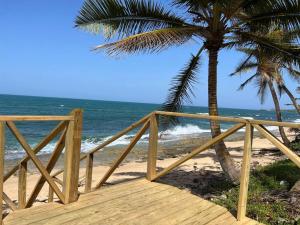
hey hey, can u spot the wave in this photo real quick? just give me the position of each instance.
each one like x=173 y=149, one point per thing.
x=247 y=117
x=296 y=121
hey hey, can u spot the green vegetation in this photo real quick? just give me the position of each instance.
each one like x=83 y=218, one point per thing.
x=269 y=199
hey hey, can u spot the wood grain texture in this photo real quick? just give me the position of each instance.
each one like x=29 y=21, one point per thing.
x=152 y=148
x=200 y=149
x=124 y=153
x=22 y=185
x=72 y=157
x=245 y=173
x=34 y=159
x=230 y=119
x=138 y=202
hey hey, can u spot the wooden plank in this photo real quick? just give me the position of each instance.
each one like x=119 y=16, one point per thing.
x=50 y=165
x=89 y=172
x=230 y=119
x=121 y=133
x=39 y=147
x=123 y=154
x=107 y=199
x=102 y=195
x=110 y=140
x=288 y=152
x=245 y=173
x=128 y=212
x=9 y=202
x=2 y=153
x=164 y=209
x=182 y=214
x=50 y=195
x=227 y=218
x=6 y=118
x=87 y=215
x=200 y=149
x=22 y=185
x=72 y=157
x=34 y=159
x=152 y=148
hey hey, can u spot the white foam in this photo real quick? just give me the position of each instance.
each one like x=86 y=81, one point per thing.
x=247 y=118
x=185 y=130
x=202 y=113
x=297 y=121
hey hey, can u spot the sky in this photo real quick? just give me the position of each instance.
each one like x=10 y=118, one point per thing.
x=42 y=54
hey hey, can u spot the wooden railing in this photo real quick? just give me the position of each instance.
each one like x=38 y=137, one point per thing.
x=71 y=137
x=151 y=122
x=69 y=131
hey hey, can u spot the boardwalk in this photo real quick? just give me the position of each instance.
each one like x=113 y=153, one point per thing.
x=136 y=202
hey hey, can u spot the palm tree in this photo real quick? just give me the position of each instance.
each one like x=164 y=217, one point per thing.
x=145 y=26
x=269 y=70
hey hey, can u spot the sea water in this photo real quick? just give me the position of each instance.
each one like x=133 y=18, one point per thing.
x=103 y=119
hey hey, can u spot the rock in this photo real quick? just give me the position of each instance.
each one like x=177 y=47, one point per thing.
x=282 y=183
x=223 y=196
x=296 y=187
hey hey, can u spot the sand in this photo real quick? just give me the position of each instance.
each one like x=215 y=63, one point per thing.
x=184 y=176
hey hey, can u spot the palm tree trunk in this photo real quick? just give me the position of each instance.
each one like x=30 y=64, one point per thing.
x=278 y=112
x=291 y=96
x=227 y=163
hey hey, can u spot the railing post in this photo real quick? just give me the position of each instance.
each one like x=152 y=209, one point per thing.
x=152 y=148
x=2 y=149
x=72 y=157
x=50 y=194
x=245 y=173
x=89 y=172
x=22 y=185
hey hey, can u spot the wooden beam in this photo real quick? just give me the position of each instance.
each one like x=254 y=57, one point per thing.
x=34 y=159
x=123 y=154
x=2 y=153
x=89 y=172
x=230 y=119
x=120 y=134
x=9 y=202
x=50 y=195
x=288 y=152
x=39 y=147
x=72 y=157
x=110 y=140
x=200 y=149
x=22 y=185
x=152 y=148
x=245 y=173
x=52 y=161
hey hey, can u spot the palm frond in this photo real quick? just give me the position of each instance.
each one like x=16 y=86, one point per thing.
x=242 y=86
x=182 y=85
x=244 y=66
x=285 y=13
x=268 y=44
x=124 y=17
x=262 y=83
x=152 y=41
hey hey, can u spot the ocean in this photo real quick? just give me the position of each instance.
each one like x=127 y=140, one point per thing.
x=102 y=119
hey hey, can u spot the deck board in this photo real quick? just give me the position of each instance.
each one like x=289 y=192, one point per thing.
x=131 y=203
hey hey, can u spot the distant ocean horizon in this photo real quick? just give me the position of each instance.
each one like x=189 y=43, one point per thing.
x=103 y=119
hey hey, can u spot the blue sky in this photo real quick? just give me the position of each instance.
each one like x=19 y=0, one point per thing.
x=42 y=54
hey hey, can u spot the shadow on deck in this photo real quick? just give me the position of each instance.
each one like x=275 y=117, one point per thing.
x=135 y=202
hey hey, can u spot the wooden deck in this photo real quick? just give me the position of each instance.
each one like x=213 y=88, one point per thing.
x=135 y=202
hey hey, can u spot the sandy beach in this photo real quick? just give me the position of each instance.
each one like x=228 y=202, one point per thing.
x=197 y=171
